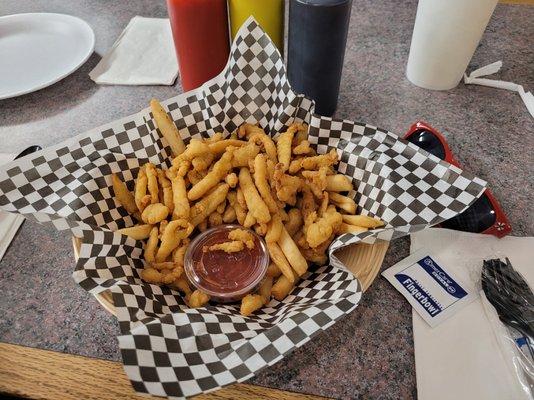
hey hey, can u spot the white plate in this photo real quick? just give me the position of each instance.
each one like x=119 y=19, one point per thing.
x=39 y=49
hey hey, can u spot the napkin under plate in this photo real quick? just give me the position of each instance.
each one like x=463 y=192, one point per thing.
x=142 y=55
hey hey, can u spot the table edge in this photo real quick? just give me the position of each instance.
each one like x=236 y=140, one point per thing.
x=44 y=374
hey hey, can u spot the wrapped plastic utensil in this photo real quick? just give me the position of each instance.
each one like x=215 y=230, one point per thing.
x=510 y=295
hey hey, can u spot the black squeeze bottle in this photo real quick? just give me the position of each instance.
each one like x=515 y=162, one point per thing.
x=316 y=48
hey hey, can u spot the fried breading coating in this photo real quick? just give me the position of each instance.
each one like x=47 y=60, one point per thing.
x=286 y=186
x=218 y=173
x=294 y=222
x=140 y=189
x=179 y=198
x=323 y=227
x=242 y=235
x=154 y=213
x=262 y=184
x=215 y=219
x=338 y=183
x=246 y=130
x=316 y=180
x=231 y=180
x=244 y=155
x=303 y=148
x=283 y=147
x=255 y=203
x=229 y=215
x=198 y=299
x=174 y=232
x=202 y=162
x=152 y=184
x=345 y=203
x=267 y=144
x=251 y=303
x=203 y=208
x=315 y=162
x=151 y=246
x=233 y=246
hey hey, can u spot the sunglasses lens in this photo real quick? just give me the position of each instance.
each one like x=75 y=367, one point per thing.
x=429 y=142
x=477 y=218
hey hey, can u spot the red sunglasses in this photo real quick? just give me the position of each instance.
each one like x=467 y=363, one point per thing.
x=485 y=215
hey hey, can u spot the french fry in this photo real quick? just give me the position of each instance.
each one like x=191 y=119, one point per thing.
x=250 y=303
x=292 y=253
x=282 y=287
x=167 y=128
x=345 y=203
x=123 y=195
x=346 y=228
x=265 y=289
x=255 y=203
x=151 y=246
x=338 y=183
x=278 y=257
x=363 y=221
x=273 y=271
x=137 y=232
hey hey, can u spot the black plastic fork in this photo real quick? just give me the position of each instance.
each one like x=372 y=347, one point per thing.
x=510 y=294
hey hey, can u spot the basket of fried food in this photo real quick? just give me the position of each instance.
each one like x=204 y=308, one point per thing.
x=280 y=188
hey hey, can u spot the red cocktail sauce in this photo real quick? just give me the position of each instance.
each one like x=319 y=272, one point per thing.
x=225 y=276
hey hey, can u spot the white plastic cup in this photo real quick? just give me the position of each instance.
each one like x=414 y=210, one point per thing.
x=445 y=36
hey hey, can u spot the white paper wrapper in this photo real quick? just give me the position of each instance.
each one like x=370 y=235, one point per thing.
x=167 y=348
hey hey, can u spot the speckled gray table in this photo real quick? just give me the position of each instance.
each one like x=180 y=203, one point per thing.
x=368 y=354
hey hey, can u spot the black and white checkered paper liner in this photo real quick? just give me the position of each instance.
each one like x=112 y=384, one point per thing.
x=167 y=348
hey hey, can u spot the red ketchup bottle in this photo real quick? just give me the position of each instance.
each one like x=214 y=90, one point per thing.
x=201 y=39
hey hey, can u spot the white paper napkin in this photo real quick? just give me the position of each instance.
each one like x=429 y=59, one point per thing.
x=461 y=358
x=9 y=223
x=142 y=55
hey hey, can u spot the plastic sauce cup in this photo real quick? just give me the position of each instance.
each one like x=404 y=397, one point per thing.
x=225 y=277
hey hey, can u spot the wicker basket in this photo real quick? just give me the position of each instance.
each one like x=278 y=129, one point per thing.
x=364 y=260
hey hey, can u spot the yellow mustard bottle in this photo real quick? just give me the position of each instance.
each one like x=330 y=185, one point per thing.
x=268 y=13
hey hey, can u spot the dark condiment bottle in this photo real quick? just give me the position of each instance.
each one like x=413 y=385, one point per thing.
x=316 y=48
